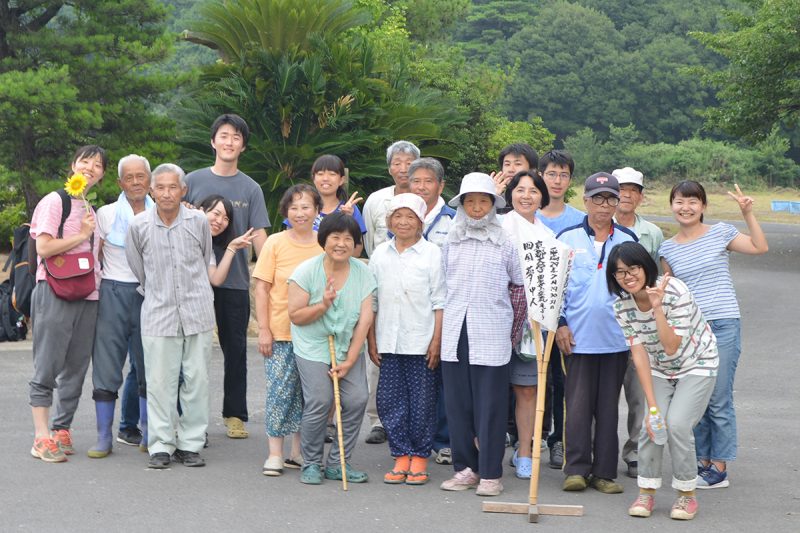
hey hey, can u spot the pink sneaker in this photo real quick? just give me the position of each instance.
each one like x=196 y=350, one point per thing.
x=684 y=508
x=489 y=487
x=463 y=480
x=642 y=506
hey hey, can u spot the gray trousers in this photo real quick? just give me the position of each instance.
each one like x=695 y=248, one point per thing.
x=118 y=333
x=634 y=397
x=682 y=402
x=373 y=375
x=62 y=349
x=164 y=360
x=317 y=401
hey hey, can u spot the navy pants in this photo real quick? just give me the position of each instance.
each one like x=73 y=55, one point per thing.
x=232 y=308
x=406 y=399
x=476 y=398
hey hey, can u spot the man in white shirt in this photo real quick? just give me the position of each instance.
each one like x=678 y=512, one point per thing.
x=119 y=313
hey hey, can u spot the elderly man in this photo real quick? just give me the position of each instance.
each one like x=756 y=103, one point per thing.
x=426 y=177
x=229 y=135
x=631 y=188
x=117 y=332
x=399 y=157
x=594 y=351
x=169 y=251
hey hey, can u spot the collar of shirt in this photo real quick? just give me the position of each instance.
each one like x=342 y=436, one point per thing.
x=417 y=246
x=183 y=213
x=435 y=211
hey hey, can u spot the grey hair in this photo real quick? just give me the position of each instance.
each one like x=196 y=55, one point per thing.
x=428 y=163
x=401 y=147
x=168 y=168
x=130 y=158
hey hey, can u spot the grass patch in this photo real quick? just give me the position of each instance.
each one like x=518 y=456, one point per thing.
x=720 y=205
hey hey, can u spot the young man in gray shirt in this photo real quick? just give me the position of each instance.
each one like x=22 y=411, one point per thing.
x=229 y=135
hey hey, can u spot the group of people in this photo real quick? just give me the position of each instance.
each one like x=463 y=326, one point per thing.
x=430 y=337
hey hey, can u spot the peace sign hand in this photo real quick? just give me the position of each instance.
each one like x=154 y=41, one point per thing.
x=656 y=294
x=349 y=206
x=745 y=202
x=242 y=241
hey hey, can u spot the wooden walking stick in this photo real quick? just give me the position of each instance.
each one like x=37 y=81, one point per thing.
x=337 y=401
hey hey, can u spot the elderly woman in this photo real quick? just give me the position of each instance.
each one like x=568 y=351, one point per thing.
x=282 y=253
x=526 y=193
x=331 y=294
x=481 y=265
x=406 y=338
x=676 y=360
x=62 y=346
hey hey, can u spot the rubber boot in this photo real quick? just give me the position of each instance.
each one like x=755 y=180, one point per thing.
x=143 y=423
x=104 y=411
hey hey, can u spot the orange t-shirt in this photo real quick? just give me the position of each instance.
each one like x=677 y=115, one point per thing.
x=276 y=263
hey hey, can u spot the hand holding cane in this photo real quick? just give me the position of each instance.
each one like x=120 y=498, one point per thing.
x=337 y=400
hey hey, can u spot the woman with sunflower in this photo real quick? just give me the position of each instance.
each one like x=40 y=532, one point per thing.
x=62 y=346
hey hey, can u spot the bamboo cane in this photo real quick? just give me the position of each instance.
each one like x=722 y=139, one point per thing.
x=542 y=361
x=337 y=400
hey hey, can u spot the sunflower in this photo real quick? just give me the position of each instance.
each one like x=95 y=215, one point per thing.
x=75 y=185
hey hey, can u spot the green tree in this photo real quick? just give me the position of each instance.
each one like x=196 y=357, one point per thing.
x=75 y=72
x=760 y=87
x=308 y=82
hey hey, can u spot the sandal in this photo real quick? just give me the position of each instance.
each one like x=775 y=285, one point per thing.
x=353 y=476
x=293 y=462
x=397 y=475
x=418 y=474
x=236 y=428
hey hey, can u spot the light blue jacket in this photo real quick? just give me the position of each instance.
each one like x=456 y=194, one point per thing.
x=588 y=306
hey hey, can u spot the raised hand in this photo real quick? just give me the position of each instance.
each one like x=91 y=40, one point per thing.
x=242 y=241
x=656 y=294
x=500 y=181
x=329 y=295
x=745 y=202
x=88 y=224
x=348 y=207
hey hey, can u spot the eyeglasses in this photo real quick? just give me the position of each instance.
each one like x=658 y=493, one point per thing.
x=553 y=175
x=613 y=201
x=632 y=271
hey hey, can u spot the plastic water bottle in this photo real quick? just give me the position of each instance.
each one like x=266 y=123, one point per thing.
x=658 y=426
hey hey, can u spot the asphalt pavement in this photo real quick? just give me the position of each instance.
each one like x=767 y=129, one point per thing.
x=119 y=493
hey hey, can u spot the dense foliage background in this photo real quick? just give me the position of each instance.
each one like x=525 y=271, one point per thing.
x=705 y=89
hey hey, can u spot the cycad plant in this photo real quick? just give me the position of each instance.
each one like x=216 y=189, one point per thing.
x=307 y=85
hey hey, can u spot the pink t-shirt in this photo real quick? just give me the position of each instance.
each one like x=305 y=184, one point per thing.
x=46 y=218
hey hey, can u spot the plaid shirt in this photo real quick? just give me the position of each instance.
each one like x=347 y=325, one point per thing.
x=478 y=275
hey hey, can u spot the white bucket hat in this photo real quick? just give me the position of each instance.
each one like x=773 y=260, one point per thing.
x=409 y=201
x=477 y=182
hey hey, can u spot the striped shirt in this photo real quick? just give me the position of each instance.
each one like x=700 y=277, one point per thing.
x=171 y=264
x=697 y=352
x=703 y=264
x=478 y=275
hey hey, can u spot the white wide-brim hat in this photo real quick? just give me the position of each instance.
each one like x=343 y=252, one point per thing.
x=478 y=182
